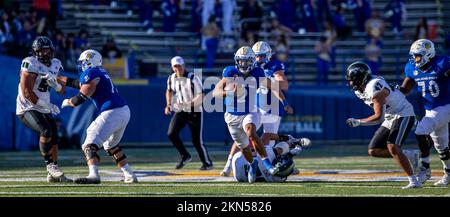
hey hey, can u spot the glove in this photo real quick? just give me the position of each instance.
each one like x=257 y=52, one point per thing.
x=52 y=82
x=65 y=103
x=352 y=122
x=48 y=106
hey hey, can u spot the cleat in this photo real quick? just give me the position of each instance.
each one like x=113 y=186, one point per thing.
x=444 y=181
x=54 y=171
x=413 y=184
x=183 y=162
x=252 y=171
x=87 y=180
x=131 y=179
x=206 y=167
x=62 y=178
x=270 y=168
x=424 y=175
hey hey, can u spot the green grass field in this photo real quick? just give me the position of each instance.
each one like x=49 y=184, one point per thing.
x=324 y=171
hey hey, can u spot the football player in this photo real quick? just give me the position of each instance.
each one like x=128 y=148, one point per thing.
x=33 y=106
x=239 y=85
x=431 y=74
x=271 y=112
x=280 y=154
x=392 y=110
x=108 y=127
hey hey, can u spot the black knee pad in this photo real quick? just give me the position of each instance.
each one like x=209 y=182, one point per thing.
x=46 y=132
x=115 y=150
x=424 y=142
x=445 y=155
x=90 y=151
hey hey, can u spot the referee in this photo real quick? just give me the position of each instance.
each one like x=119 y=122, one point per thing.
x=187 y=106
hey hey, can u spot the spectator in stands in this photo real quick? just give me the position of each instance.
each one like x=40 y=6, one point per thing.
x=248 y=38
x=218 y=13
x=282 y=50
x=323 y=12
x=421 y=29
x=42 y=7
x=8 y=31
x=24 y=40
x=285 y=12
x=396 y=11
x=145 y=8
x=82 y=42
x=373 y=56
x=308 y=18
x=60 y=46
x=323 y=51
x=375 y=26
x=54 y=13
x=207 y=11
x=71 y=53
x=19 y=20
x=110 y=49
x=170 y=11
x=331 y=35
x=361 y=11
x=343 y=31
x=196 y=15
x=251 y=16
x=211 y=33
x=227 y=10
x=277 y=29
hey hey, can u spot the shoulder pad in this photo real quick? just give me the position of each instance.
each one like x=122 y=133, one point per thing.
x=30 y=64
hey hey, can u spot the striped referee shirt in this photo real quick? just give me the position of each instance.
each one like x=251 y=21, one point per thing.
x=184 y=88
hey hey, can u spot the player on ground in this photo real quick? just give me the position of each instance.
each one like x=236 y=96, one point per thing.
x=392 y=110
x=107 y=129
x=33 y=105
x=239 y=85
x=431 y=74
x=280 y=154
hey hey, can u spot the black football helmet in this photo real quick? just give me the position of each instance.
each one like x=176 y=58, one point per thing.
x=359 y=74
x=285 y=165
x=39 y=44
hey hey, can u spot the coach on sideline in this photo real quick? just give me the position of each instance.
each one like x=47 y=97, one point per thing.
x=187 y=106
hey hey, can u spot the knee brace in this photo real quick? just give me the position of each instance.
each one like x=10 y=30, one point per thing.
x=444 y=155
x=45 y=147
x=424 y=143
x=90 y=151
x=113 y=151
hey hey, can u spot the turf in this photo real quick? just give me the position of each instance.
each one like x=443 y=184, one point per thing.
x=323 y=173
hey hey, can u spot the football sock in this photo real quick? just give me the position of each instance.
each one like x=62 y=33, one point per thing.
x=127 y=170
x=93 y=171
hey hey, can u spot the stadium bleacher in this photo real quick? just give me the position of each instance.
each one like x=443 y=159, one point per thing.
x=158 y=47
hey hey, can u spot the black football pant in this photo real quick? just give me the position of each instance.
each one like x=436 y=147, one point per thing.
x=195 y=121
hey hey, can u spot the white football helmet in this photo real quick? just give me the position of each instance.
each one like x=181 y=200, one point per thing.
x=244 y=59
x=262 y=48
x=90 y=59
x=423 y=49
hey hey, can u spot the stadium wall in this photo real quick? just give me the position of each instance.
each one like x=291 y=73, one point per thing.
x=320 y=114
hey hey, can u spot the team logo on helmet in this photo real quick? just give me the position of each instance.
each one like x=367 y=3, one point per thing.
x=416 y=72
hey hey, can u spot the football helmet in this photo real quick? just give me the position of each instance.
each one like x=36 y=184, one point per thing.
x=358 y=74
x=422 y=51
x=263 y=49
x=89 y=59
x=244 y=59
x=285 y=165
x=38 y=49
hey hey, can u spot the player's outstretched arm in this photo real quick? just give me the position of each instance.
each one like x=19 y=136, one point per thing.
x=66 y=81
x=86 y=91
x=281 y=78
x=278 y=94
x=407 y=86
x=219 y=89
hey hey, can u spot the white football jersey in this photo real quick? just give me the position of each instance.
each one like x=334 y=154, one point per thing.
x=41 y=89
x=396 y=103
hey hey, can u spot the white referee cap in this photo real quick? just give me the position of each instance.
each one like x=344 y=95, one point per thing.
x=177 y=61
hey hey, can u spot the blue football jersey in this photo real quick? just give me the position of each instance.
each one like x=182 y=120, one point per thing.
x=264 y=97
x=106 y=96
x=245 y=104
x=432 y=83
